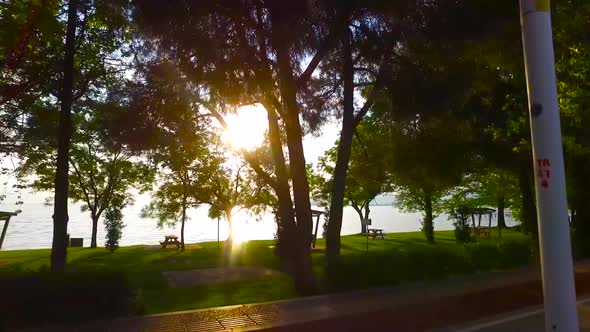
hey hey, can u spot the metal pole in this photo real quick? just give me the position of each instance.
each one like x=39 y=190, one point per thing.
x=554 y=237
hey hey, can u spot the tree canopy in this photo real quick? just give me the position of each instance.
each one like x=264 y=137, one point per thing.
x=101 y=97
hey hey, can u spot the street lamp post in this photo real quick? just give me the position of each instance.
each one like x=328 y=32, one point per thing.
x=554 y=237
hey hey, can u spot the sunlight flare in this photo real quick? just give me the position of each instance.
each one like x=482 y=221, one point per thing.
x=246 y=128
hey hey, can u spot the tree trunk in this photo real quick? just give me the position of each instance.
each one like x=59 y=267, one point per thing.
x=231 y=231
x=286 y=228
x=580 y=214
x=572 y=217
x=428 y=226
x=367 y=209
x=305 y=280
x=529 y=211
x=60 y=206
x=182 y=226
x=343 y=154
x=95 y=218
x=359 y=211
x=501 y=205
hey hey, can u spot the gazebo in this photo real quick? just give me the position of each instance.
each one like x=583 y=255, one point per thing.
x=481 y=211
x=5 y=216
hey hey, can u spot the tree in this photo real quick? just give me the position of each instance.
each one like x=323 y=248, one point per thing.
x=160 y=118
x=64 y=134
x=101 y=171
x=369 y=72
x=367 y=173
x=224 y=189
x=428 y=158
x=392 y=42
x=171 y=200
x=113 y=222
x=484 y=187
x=496 y=188
x=174 y=195
x=259 y=64
x=46 y=67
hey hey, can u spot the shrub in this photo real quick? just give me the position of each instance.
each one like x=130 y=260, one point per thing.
x=423 y=263
x=113 y=220
x=31 y=299
x=516 y=253
x=460 y=219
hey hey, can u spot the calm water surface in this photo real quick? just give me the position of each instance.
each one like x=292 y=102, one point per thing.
x=33 y=227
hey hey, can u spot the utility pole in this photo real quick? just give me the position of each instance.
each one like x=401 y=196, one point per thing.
x=554 y=236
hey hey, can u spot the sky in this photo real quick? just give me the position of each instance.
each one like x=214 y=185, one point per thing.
x=247 y=128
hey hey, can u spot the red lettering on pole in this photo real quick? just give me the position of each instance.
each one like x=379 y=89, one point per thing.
x=543 y=162
x=543 y=171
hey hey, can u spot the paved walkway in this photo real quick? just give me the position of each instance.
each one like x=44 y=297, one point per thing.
x=410 y=307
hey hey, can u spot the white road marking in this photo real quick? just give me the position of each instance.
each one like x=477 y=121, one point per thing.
x=511 y=318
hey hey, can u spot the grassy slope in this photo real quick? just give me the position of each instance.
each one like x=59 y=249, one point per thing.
x=401 y=257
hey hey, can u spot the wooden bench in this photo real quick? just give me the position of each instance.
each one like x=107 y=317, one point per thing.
x=170 y=240
x=481 y=231
x=375 y=233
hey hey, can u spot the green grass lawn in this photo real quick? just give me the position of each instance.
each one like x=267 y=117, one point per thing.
x=401 y=257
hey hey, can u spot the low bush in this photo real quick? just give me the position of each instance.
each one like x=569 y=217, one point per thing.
x=423 y=263
x=34 y=299
x=460 y=218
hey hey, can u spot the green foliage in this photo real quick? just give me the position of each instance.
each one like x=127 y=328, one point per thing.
x=393 y=261
x=367 y=170
x=101 y=172
x=32 y=37
x=45 y=297
x=176 y=180
x=401 y=257
x=428 y=159
x=225 y=189
x=460 y=218
x=113 y=221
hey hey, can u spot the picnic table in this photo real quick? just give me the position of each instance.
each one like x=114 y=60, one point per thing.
x=170 y=240
x=375 y=233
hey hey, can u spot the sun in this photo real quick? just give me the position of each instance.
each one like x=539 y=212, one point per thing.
x=243 y=229
x=246 y=128
x=241 y=232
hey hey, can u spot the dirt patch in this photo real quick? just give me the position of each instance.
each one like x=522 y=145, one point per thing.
x=220 y=275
